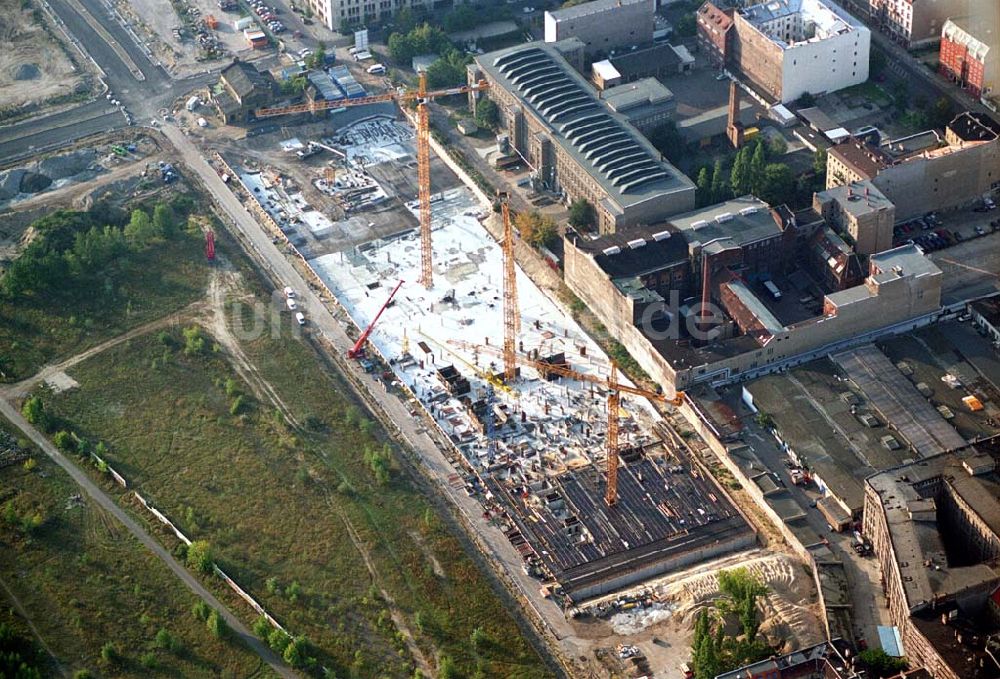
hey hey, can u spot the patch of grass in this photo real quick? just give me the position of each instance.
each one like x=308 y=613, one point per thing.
x=870 y=90
x=274 y=528
x=85 y=582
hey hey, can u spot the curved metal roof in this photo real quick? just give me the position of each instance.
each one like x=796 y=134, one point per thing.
x=572 y=109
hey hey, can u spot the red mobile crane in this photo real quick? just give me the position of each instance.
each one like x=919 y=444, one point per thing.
x=358 y=348
x=210 y=245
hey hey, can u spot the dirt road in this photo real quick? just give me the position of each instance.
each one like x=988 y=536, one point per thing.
x=105 y=502
x=506 y=561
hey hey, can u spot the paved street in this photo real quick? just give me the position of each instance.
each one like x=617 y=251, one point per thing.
x=413 y=430
x=109 y=505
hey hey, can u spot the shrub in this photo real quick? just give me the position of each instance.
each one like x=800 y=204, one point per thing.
x=217 y=625
x=199 y=556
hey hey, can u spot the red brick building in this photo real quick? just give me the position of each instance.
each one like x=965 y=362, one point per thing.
x=966 y=59
x=713 y=32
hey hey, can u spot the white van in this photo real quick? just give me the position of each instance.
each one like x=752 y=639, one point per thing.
x=376 y=69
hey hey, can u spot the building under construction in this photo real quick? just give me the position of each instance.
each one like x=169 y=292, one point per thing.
x=532 y=448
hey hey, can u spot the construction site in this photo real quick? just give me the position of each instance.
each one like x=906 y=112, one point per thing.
x=562 y=453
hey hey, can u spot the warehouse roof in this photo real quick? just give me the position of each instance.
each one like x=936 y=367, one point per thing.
x=644 y=92
x=595 y=7
x=741 y=220
x=626 y=165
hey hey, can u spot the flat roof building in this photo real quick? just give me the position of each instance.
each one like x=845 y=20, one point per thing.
x=915 y=23
x=926 y=172
x=935 y=529
x=646 y=103
x=603 y=25
x=860 y=211
x=787 y=48
x=579 y=147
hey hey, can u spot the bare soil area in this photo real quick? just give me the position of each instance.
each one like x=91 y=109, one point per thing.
x=158 y=21
x=33 y=66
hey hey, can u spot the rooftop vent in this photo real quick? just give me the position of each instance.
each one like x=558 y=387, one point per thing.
x=748 y=211
x=724 y=217
x=637 y=243
x=700 y=223
x=613 y=250
x=661 y=235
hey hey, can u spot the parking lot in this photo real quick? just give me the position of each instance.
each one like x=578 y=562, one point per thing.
x=934 y=232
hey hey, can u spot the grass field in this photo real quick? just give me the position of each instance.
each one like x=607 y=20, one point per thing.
x=136 y=289
x=84 y=582
x=276 y=503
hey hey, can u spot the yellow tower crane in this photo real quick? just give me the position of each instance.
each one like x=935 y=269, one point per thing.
x=421 y=96
x=615 y=390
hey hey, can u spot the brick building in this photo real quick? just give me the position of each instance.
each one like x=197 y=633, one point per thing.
x=603 y=25
x=967 y=59
x=714 y=32
x=860 y=211
x=934 y=527
x=577 y=146
x=647 y=299
x=927 y=172
x=914 y=23
x=241 y=90
x=787 y=48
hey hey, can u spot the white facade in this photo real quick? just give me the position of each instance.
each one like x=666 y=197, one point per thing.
x=818 y=46
x=818 y=66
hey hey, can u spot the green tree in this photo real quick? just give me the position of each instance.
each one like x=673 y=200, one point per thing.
x=64 y=441
x=293 y=591
x=704 y=184
x=668 y=141
x=686 y=25
x=582 y=215
x=448 y=70
x=165 y=640
x=880 y=663
x=139 y=230
x=404 y=20
x=110 y=654
x=200 y=610
x=536 y=229
x=487 y=113
x=739 y=176
x=778 y=184
x=164 y=221
x=33 y=410
x=278 y=640
x=194 y=341
x=217 y=625
x=941 y=113
x=719 y=188
x=262 y=627
x=447 y=669
x=296 y=653
x=199 y=556
x=758 y=161
x=819 y=162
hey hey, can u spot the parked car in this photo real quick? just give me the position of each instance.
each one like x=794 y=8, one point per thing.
x=301 y=319
x=290 y=303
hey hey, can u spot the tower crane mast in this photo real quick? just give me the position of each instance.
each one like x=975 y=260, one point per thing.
x=615 y=390
x=421 y=96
